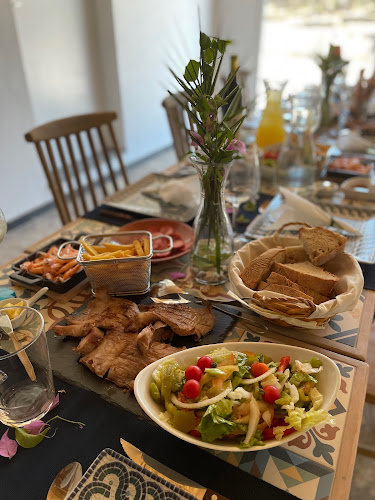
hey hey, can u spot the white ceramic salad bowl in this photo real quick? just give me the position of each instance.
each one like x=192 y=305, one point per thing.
x=328 y=385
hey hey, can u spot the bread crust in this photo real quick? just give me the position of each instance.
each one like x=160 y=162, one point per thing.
x=260 y=267
x=313 y=239
x=309 y=276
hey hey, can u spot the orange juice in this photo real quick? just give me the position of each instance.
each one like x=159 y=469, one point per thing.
x=271 y=126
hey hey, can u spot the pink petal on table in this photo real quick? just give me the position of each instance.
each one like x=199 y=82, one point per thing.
x=8 y=447
x=176 y=275
x=56 y=401
x=236 y=145
x=35 y=427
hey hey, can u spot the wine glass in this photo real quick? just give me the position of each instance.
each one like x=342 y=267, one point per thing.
x=3 y=226
x=242 y=185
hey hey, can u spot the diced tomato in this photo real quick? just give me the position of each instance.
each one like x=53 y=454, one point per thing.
x=284 y=363
x=268 y=434
x=195 y=433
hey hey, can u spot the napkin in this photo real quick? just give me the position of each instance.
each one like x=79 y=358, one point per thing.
x=353 y=142
x=298 y=209
x=184 y=192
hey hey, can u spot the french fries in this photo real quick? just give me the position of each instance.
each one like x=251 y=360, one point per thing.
x=107 y=251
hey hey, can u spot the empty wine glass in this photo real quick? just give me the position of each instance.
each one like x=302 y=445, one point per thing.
x=3 y=226
x=243 y=185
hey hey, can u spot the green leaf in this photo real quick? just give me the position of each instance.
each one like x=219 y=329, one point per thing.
x=209 y=55
x=219 y=101
x=202 y=101
x=27 y=440
x=191 y=71
x=205 y=41
x=222 y=45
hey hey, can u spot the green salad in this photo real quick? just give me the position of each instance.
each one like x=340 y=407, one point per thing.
x=241 y=396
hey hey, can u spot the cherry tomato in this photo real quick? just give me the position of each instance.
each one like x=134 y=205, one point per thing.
x=271 y=393
x=192 y=388
x=204 y=362
x=258 y=369
x=193 y=372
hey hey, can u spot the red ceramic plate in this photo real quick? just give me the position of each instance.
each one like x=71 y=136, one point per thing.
x=182 y=234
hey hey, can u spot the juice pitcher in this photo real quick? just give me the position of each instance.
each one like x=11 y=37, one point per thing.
x=271 y=126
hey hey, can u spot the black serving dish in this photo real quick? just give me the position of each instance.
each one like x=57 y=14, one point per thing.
x=25 y=278
x=345 y=173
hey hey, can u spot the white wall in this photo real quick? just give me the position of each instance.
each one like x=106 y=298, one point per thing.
x=240 y=21
x=149 y=37
x=22 y=184
x=58 y=57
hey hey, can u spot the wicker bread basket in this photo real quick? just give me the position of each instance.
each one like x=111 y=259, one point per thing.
x=297 y=312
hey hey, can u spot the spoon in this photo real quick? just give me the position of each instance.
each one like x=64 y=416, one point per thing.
x=65 y=482
x=18 y=320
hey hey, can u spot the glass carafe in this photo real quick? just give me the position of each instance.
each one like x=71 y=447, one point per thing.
x=296 y=165
x=271 y=126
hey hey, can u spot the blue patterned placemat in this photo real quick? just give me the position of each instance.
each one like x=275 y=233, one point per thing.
x=113 y=476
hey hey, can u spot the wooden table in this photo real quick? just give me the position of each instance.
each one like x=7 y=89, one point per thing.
x=320 y=461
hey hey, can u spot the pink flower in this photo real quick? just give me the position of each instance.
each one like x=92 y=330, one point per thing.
x=236 y=145
x=8 y=447
x=56 y=401
x=35 y=427
x=177 y=275
x=198 y=139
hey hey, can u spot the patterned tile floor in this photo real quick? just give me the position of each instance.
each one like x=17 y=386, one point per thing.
x=47 y=222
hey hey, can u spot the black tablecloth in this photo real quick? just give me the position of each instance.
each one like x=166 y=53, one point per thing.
x=31 y=471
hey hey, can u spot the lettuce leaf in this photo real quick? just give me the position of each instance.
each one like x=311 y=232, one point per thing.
x=299 y=377
x=213 y=425
x=302 y=420
x=218 y=355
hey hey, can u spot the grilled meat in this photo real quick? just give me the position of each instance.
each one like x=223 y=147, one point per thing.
x=183 y=319
x=129 y=363
x=111 y=346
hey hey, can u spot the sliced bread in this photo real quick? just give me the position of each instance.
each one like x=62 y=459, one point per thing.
x=321 y=244
x=279 y=279
x=295 y=254
x=260 y=267
x=261 y=285
x=286 y=290
x=308 y=276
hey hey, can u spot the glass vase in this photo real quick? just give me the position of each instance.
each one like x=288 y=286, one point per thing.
x=213 y=242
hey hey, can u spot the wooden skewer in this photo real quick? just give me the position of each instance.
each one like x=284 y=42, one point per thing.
x=24 y=358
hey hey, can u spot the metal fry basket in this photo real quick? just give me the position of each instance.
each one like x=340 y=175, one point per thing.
x=119 y=276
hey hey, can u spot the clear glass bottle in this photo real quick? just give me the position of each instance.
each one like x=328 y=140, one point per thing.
x=271 y=126
x=297 y=164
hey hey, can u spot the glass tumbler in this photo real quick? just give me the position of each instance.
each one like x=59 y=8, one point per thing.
x=26 y=384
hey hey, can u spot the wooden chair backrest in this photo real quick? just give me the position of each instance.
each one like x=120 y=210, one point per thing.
x=62 y=166
x=179 y=124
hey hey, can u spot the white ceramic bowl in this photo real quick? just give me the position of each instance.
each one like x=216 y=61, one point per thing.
x=18 y=320
x=328 y=385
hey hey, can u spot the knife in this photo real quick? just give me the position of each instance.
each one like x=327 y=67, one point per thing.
x=161 y=470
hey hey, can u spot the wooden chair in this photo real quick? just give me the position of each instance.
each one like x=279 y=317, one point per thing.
x=179 y=124
x=66 y=144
